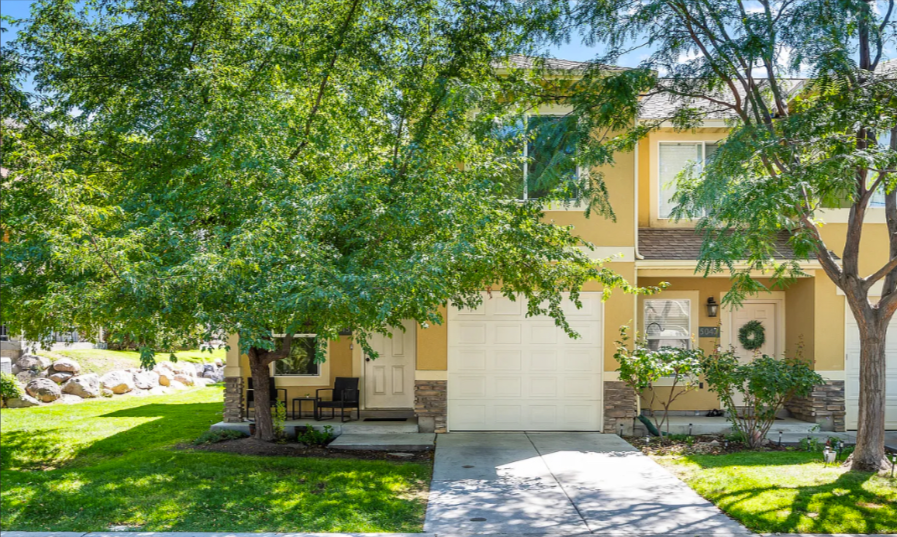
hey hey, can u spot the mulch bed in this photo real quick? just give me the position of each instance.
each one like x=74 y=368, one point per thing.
x=705 y=444
x=252 y=446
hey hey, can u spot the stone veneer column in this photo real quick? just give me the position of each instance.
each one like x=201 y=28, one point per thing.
x=824 y=406
x=620 y=406
x=233 y=382
x=430 y=405
x=233 y=399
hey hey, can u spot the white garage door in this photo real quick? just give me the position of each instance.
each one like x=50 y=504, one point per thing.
x=852 y=385
x=507 y=372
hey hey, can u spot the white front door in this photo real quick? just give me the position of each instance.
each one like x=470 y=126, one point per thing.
x=510 y=372
x=852 y=366
x=389 y=379
x=765 y=312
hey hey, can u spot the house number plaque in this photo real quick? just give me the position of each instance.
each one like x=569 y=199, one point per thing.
x=708 y=331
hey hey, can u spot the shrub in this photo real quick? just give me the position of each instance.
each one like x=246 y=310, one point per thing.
x=313 y=437
x=641 y=368
x=218 y=435
x=278 y=420
x=9 y=387
x=764 y=384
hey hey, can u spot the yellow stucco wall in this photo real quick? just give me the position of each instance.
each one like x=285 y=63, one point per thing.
x=432 y=346
x=800 y=318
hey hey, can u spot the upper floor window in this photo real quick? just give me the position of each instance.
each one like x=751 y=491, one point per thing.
x=301 y=361
x=667 y=323
x=673 y=157
x=548 y=151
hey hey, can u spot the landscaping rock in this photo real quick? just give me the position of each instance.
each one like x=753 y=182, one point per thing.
x=84 y=386
x=158 y=390
x=187 y=380
x=61 y=376
x=216 y=375
x=43 y=390
x=198 y=369
x=146 y=380
x=118 y=381
x=165 y=377
x=28 y=375
x=69 y=399
x=67 y=365
x=33 y=362
x=22 y=402
x=219 y=362
x=176 y=385
x=106 y=392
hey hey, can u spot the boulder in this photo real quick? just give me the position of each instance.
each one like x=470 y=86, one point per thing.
x=22 y=402
x=219 y=362
x=28 y=375
x=61 y=376
x=146 y=380
x=175 y=385
x=118 y=381
x=165 y=377
x=68 y=365
x=69 y=399
x=106 y=392
x=158 y=390
x=43 y=390
x=33 y=362
x=84 y=386
x=215 y=375
x=202 y=382
x=186 y=380
x=198 y=369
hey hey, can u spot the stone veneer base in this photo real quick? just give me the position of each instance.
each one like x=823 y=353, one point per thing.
x=620 y=407
x=430 y=405
x=233 y=399
x=825 y=406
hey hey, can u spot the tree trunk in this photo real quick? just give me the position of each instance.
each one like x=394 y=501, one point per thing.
x=264 y=425
x=870 y=448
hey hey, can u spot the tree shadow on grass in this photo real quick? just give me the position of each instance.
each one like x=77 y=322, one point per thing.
x=164 y=424
x=839 y=506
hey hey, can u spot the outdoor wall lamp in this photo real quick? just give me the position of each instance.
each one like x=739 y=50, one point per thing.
x=712 y=307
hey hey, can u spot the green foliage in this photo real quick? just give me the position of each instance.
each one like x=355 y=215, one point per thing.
x=218 y=435
x=9 y=387
x=313 y=437
x=274 y=167
x=278 y=419
x=752 y=335
x=641 y=368
x=762 y=385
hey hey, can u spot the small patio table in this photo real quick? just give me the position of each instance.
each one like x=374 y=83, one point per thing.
x=300 y=400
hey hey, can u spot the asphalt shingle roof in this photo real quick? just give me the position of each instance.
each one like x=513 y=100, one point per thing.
x=685 y=244
x=664 y=105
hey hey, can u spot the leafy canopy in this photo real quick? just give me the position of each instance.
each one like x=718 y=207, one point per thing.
x=193 y=168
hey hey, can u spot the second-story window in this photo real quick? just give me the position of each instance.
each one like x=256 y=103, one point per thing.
x=548 y=149
x=673 y=157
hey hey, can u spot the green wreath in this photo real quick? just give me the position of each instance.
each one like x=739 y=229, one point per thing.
x=752 y=335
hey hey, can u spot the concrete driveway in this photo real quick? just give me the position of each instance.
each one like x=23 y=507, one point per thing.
x=560 y=483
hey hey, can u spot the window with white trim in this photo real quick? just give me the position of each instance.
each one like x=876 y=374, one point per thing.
x=547 y=151
x=301 y=361
x=667 y=323
x=878 y=198
x=672 y=158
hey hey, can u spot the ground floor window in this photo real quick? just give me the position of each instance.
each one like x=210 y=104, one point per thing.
x=668 y=323
x=301 y=361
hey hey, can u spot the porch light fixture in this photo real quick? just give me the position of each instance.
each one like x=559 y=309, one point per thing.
x=712 y=307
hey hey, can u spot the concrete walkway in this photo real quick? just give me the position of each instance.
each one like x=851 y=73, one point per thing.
x=560 y=483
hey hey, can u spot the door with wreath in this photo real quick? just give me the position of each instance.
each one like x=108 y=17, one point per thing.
x=753 y=330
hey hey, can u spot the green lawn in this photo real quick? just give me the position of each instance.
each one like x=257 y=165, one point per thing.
x=790 y=492
x=107 y=463
x=102 y=361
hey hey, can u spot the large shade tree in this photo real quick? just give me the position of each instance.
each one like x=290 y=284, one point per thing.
x=186 y=169
x=794 y=148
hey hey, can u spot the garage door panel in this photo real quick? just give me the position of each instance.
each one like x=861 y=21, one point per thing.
x=852 y=369
x=511 y=372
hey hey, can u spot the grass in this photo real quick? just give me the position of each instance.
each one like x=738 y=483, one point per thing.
x=106 y=463
x=101 y=361
x=790 y=492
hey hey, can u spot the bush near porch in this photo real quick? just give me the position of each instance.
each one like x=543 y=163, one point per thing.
x=790 y=492
x=123 y=464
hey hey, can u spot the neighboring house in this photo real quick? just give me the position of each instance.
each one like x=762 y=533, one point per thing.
x=495 y=369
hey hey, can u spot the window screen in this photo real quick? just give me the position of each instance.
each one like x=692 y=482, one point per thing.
x=668 y=323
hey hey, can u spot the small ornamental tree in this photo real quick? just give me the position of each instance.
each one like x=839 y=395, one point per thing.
x=641 y=368
x=190 y=168
x=764 y=383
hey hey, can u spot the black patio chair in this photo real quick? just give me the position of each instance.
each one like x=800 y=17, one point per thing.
x=273 y=392
x=344 y=395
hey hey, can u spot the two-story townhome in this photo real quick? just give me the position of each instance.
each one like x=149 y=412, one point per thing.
x=495 y=369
